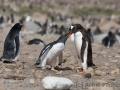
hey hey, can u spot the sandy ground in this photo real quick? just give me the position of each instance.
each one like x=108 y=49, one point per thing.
x=105 y=77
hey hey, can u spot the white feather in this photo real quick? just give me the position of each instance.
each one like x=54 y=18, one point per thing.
x=78 y=42
x=52 y=55
x=56 y=83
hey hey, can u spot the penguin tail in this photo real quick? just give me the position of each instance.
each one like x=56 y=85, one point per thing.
x=37 y=62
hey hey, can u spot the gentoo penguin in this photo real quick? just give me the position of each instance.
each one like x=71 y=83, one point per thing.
x=12 y=44
x=97 y=31
x=118 y=32
x=35 y=41
x=51 y=51
x=82 y=45
x=109 y=40
x=90 y=36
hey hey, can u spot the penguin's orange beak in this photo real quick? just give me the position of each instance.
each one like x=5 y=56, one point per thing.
x=69 y=33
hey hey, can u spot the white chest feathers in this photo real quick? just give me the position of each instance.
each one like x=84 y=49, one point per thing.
x=56 y=83
x=78 y=41
x=56 y=49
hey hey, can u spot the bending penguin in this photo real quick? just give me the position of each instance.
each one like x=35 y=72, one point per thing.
x=51 y=51
x=82 y=45
x=12 y=44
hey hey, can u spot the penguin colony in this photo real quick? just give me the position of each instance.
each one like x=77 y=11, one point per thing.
x=51 y=51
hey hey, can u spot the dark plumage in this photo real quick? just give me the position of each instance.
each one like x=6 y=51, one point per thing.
x=35 y=41
x=97 y=31
x=109 y=40
x=12 y=43
x=90 y=36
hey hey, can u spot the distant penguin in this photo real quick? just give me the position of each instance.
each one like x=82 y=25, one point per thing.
x=118 y=32
x=97 y=31
x=12 y=44
x=51 y=51
x=82 y=45
x=109 y=40
x=35 y=41
x=90 y=36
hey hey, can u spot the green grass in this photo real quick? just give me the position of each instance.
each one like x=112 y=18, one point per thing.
x=95 y=10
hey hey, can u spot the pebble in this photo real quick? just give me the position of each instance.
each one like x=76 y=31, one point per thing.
x=98 y=73
x=10 y=66
x=38 y=74
x=32 y=81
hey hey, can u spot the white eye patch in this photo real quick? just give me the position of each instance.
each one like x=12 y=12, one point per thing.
x=71 y=27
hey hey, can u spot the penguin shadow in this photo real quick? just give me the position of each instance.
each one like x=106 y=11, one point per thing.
x=62 y=69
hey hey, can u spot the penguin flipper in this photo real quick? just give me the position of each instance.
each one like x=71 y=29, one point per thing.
x=17 y=41
x=60 y=59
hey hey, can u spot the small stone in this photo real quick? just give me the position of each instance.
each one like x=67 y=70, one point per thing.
x=32 y=71
x=10 y=66
x=8 y=70
x=103 y=73
x=32 y=81
x=59 y=72
x=1 y=63
x=38 y=74
x=19 y=65
x=2 y=81
x=13 y=81
x=115 y=72
x=98 y=73
x=107 y=64
x=101 y=81
x=90 y=69
x=111 y=78
x=117 y=56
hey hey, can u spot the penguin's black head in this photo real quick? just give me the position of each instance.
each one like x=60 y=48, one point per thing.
x=63 y=38
x=17 y=26
x=89 y=30
x=74 y=28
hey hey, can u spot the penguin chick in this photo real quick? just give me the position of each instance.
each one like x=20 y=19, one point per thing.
x=12 y=43
x=51 y=51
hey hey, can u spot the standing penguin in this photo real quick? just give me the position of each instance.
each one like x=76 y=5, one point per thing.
x=109 y=40
x=82 y=45
x=90 y=36
x=12 y=44
x=51 y=51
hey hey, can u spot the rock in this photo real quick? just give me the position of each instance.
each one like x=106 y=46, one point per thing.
x=98 y=73
x=15 y=77
x=2 y=81
x=87 y=74
x=8 y=70
x=115 y=72
x=2 y=88
x=107 y=64
x=56 y=83
x=32 y=81
x=118 y=65
x=32 y=71
x=117 y=56
x=90 y=69
x=10 y=66
x=1 y=63
x=101 y=81
x=111 y=78
x=59 y=72
x=19 y=64
x=100 y=88
x=13 y=81
x=38 y=74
